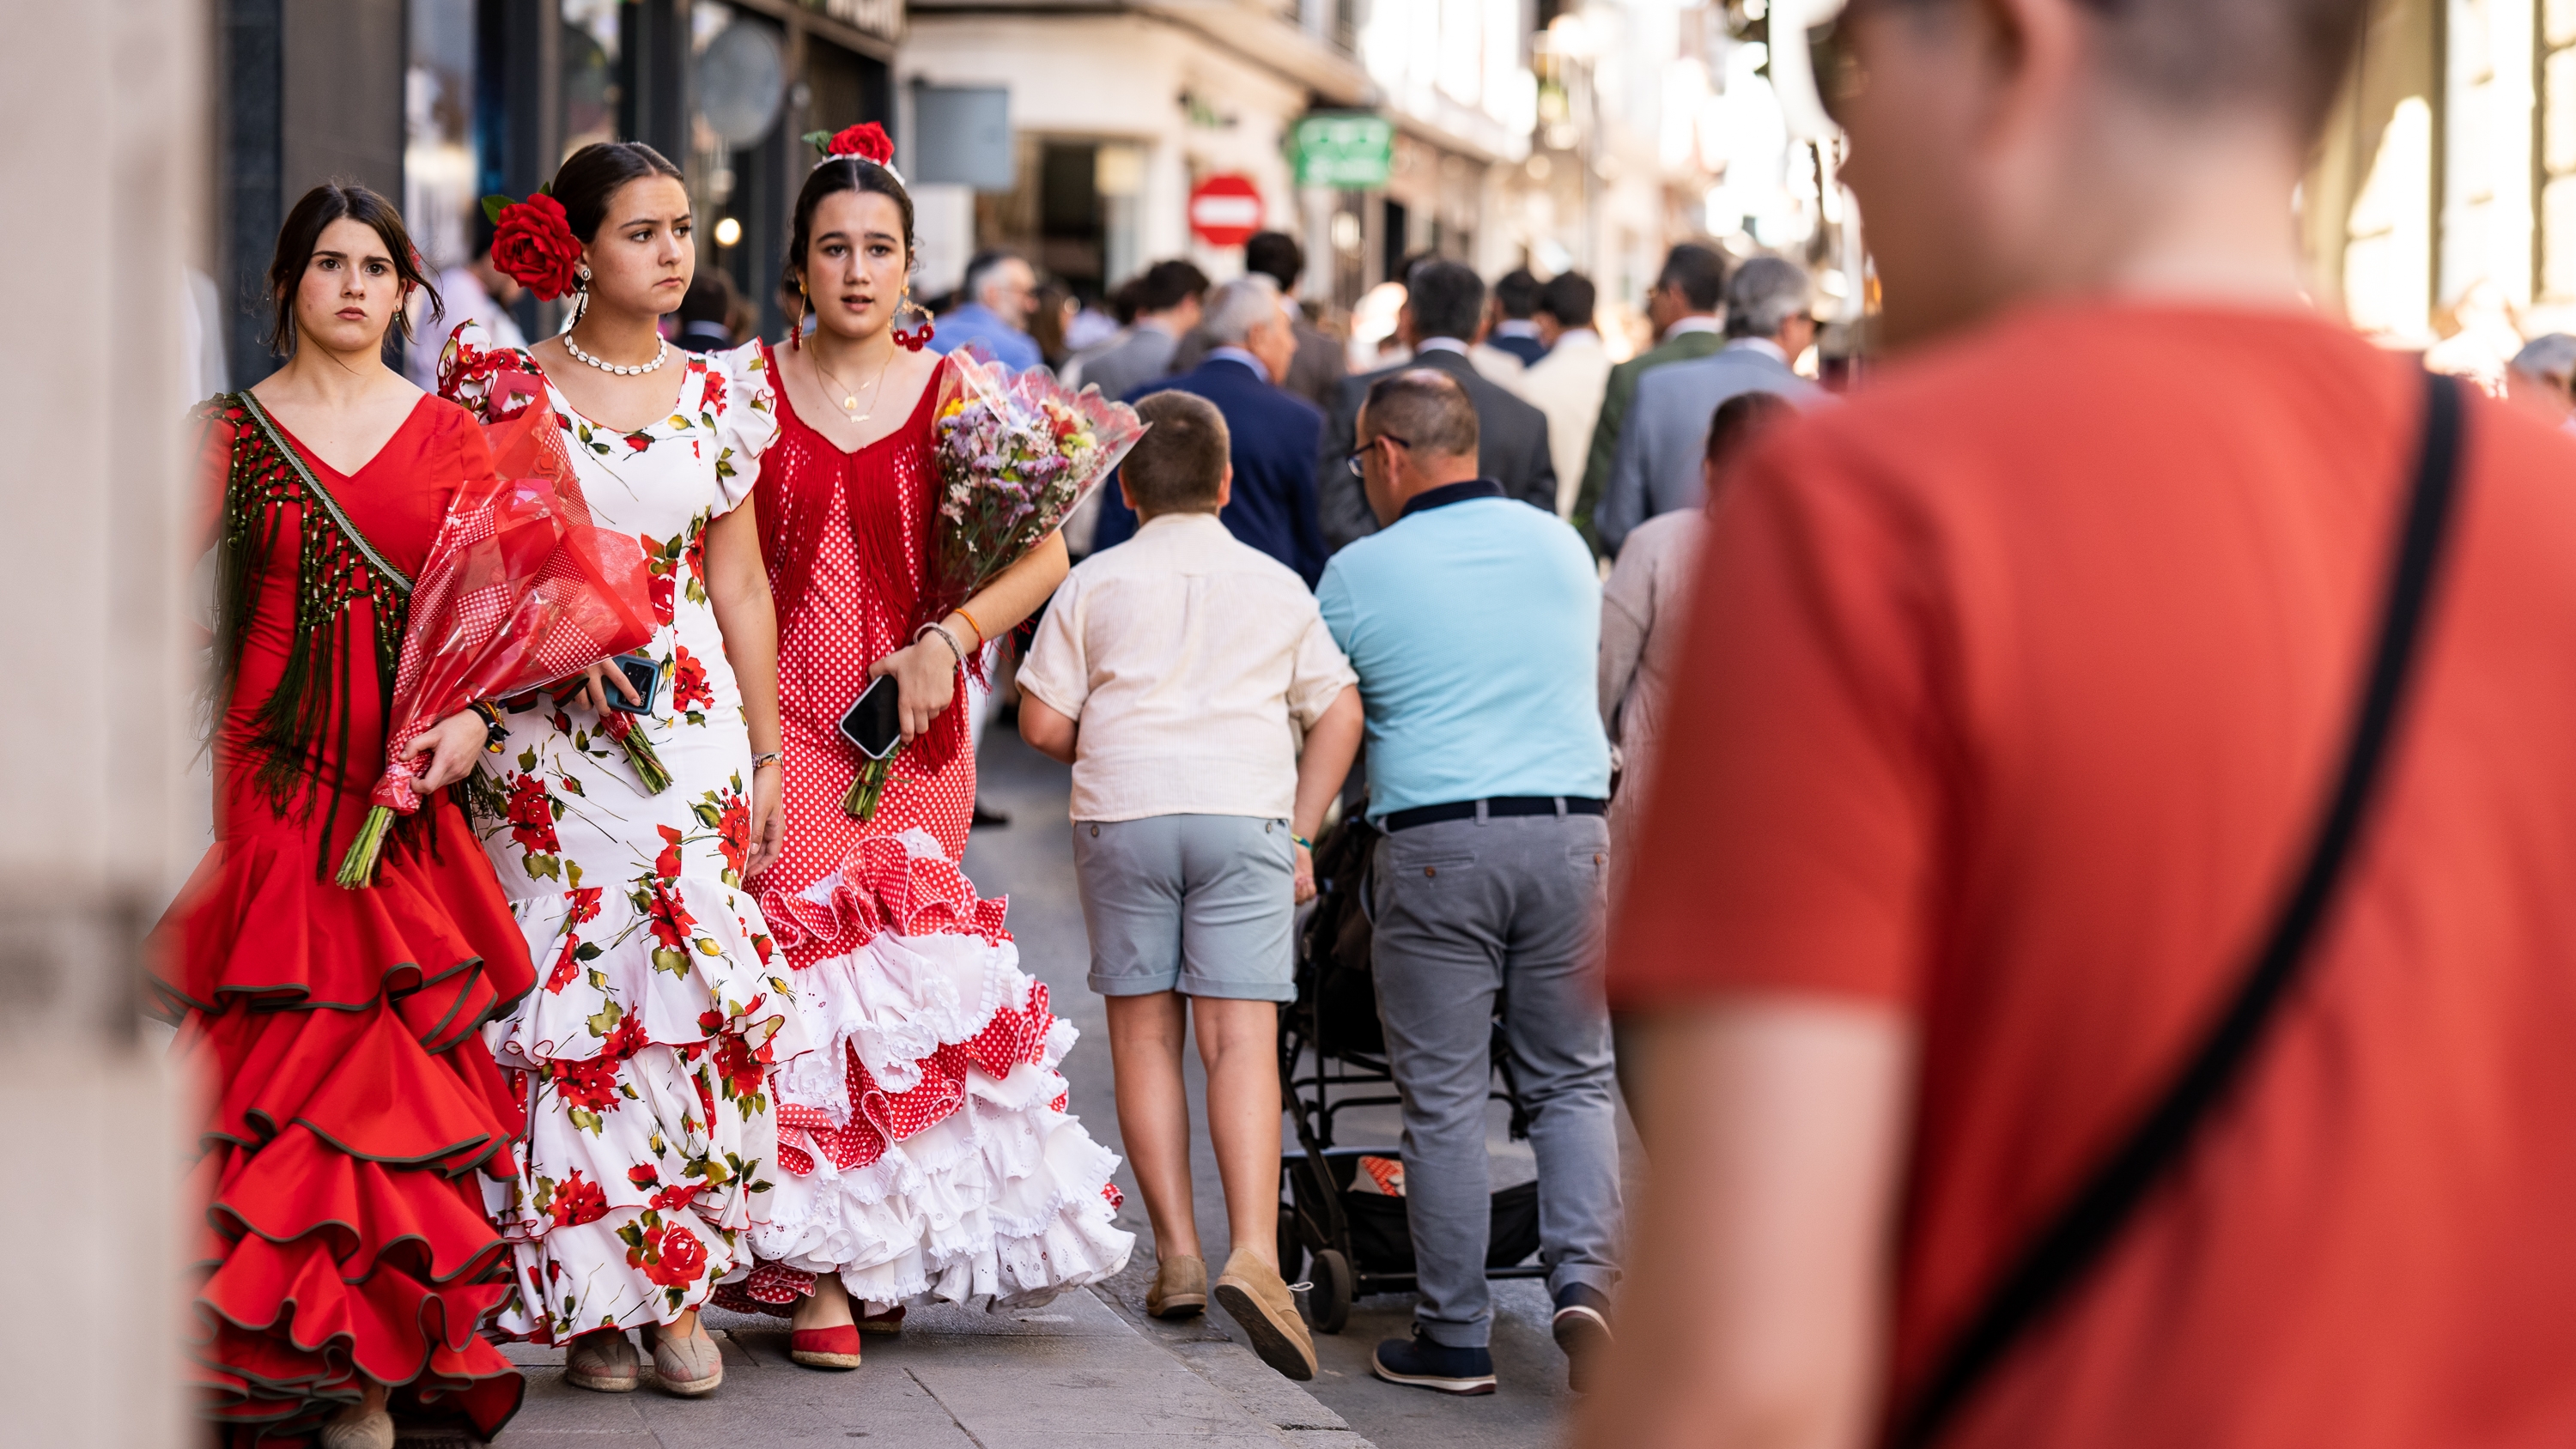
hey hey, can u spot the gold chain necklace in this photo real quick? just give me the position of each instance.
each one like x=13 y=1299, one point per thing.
x=850 y=395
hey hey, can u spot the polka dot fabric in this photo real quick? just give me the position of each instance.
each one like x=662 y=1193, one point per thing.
x=925 y=1147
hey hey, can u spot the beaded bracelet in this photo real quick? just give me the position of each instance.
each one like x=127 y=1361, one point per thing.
x=496 y=735
x=945 y=638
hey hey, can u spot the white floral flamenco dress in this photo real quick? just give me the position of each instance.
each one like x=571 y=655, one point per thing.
x=644 y=1055
x=925 y=1146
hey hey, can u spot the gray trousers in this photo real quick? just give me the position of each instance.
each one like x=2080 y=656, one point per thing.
x=1472 y=916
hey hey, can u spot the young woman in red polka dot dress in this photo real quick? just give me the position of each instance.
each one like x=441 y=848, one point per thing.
x=924 y=1145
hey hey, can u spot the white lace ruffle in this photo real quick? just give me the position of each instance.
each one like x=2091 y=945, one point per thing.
x=1002 y=1198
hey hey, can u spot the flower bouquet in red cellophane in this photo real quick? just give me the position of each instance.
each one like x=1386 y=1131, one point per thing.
x=1017 y=453
x=520 y=590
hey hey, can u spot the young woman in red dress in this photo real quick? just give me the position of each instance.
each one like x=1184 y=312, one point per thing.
x=924 y=1144
x=344 y=1252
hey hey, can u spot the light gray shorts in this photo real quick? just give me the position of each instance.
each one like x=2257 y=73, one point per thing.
x=1201 y=904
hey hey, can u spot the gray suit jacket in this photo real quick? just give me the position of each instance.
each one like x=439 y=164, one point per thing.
x=1126 y=362
x=1511 y=446
x=1656 y=469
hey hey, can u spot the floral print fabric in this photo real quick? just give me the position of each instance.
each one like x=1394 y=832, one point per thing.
x=643 y=1057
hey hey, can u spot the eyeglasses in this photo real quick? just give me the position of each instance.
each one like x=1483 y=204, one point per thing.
x=1359 y=455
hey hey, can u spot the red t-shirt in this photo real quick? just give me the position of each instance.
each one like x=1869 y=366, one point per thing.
x=2011 y=698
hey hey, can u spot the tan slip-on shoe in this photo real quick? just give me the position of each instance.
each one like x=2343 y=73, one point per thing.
x=1252 y=1292
x=1180 y=1288
x=688 y=1366
x=602 y=1361
x=353 y=1428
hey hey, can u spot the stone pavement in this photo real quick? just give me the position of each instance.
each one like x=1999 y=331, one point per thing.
x=1070 y=1375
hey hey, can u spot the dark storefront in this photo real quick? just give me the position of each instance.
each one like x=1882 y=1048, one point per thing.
x=440 y=102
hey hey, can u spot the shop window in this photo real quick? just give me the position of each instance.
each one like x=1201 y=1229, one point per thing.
x=588 y=91
x=440 y=165
x=2558 y=150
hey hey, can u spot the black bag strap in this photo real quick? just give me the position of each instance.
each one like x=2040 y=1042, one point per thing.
x=2059 y=1257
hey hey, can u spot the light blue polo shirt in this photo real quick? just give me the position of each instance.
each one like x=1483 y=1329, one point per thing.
x=1474 y=621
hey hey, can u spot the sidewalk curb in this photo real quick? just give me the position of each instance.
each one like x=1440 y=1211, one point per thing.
x=1296 y=1416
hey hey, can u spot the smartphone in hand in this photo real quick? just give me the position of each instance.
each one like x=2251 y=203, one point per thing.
x=874 y=723
x=643 y=676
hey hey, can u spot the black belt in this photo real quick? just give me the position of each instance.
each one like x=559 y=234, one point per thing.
x=1499 y=805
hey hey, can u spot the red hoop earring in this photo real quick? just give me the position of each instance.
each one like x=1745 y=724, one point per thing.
x=796 y=324
x=917 y=338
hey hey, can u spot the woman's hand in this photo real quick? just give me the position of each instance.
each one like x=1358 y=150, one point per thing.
x=768 y=819
x=1305 y=875
x=925 y=682
x=595 y=682
x=453 y=744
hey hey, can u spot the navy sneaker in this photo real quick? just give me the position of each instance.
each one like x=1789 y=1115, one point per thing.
x=1427 y=1365
x=1582 y=1328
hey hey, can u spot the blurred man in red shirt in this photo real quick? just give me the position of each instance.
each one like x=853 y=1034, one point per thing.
x=2010 y=704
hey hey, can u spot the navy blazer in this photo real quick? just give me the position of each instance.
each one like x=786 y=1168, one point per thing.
x=1275 y=435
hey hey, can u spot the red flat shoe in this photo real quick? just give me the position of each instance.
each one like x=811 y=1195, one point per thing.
x=889 y=1322
x=825 y=1348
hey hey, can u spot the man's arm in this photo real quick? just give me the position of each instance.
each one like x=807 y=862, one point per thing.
x=1755 y=1306
x=1539 y=491
x=1622 y=505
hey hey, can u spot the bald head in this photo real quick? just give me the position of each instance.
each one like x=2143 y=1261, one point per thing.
x=1417 y=431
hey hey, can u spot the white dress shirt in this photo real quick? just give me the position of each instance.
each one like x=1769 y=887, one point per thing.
x=1194 y=664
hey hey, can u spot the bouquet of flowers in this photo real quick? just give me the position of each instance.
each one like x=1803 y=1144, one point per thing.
x=1017 y=453
x=520 y=590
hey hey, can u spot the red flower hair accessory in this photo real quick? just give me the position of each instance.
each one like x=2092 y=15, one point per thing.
x=533 y=245
x=866 y=141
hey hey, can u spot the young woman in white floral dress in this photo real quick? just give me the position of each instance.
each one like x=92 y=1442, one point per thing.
x=645 y=1050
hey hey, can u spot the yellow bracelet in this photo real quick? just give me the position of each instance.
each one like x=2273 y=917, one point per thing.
x=980 y=635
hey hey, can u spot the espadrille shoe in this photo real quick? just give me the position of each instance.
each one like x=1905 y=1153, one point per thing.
x=602 y=1361
x=687 y=1366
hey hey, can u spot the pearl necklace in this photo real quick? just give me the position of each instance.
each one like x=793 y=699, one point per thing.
x=660 y=354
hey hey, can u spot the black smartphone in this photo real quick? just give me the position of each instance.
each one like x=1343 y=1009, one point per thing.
x=874 y=723
x=643 y=676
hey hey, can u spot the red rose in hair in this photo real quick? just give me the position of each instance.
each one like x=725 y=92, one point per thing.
x=867 y=141
x=534 y=246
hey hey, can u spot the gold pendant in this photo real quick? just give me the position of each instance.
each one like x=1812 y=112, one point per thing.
x=848 y=403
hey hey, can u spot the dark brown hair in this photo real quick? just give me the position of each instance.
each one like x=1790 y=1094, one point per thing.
x=592 y=176
x=1741 y=418
x=831 y=179
x=333 y=201
x=1179 y=464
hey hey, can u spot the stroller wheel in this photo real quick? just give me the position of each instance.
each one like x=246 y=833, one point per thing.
x=1328 y=1306
x=1292 y=1253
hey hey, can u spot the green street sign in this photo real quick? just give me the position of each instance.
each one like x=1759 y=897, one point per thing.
x=1355 y=153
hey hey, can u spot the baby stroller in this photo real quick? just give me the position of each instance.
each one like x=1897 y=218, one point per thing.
x=1358 y=1238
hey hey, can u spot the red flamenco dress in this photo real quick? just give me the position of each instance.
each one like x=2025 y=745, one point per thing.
x=926 y=1148
x=334 y=1032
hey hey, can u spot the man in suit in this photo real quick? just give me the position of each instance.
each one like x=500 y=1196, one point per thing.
x=1167 y=298
x=1566 y=382
x=1317 y=369
x=1444 y=305
x=1273 y=434
x=1515 y=326
x=1657 y=469
x=1683 y=307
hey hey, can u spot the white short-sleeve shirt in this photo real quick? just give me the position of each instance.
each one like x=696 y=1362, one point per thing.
x=1194 y=665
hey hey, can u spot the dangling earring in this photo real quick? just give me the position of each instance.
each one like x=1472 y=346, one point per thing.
x=796 y=324
x=918 y=339
x=580 y=298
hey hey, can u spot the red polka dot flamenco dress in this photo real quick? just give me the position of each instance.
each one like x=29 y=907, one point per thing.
x=925 y=1146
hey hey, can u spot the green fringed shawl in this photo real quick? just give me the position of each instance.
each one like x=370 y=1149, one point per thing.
x=335 y=565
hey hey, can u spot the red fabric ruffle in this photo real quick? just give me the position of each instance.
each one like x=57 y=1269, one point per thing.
x=350 y=1103
x=255 y=922
x=882 y=886
x=877 y=1116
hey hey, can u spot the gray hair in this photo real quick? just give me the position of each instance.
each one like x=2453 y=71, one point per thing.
x=1234 y=309
x=2550 y=357
x=1764 y=294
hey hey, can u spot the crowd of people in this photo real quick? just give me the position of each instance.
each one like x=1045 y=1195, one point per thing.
x=2082 y=811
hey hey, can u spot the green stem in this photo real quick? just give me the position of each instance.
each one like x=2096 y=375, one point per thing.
x=358 y=867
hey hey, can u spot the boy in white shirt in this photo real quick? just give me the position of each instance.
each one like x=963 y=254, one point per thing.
x=1177 y=673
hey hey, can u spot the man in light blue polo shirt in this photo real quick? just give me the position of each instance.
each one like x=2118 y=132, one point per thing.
x=1473 y=621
